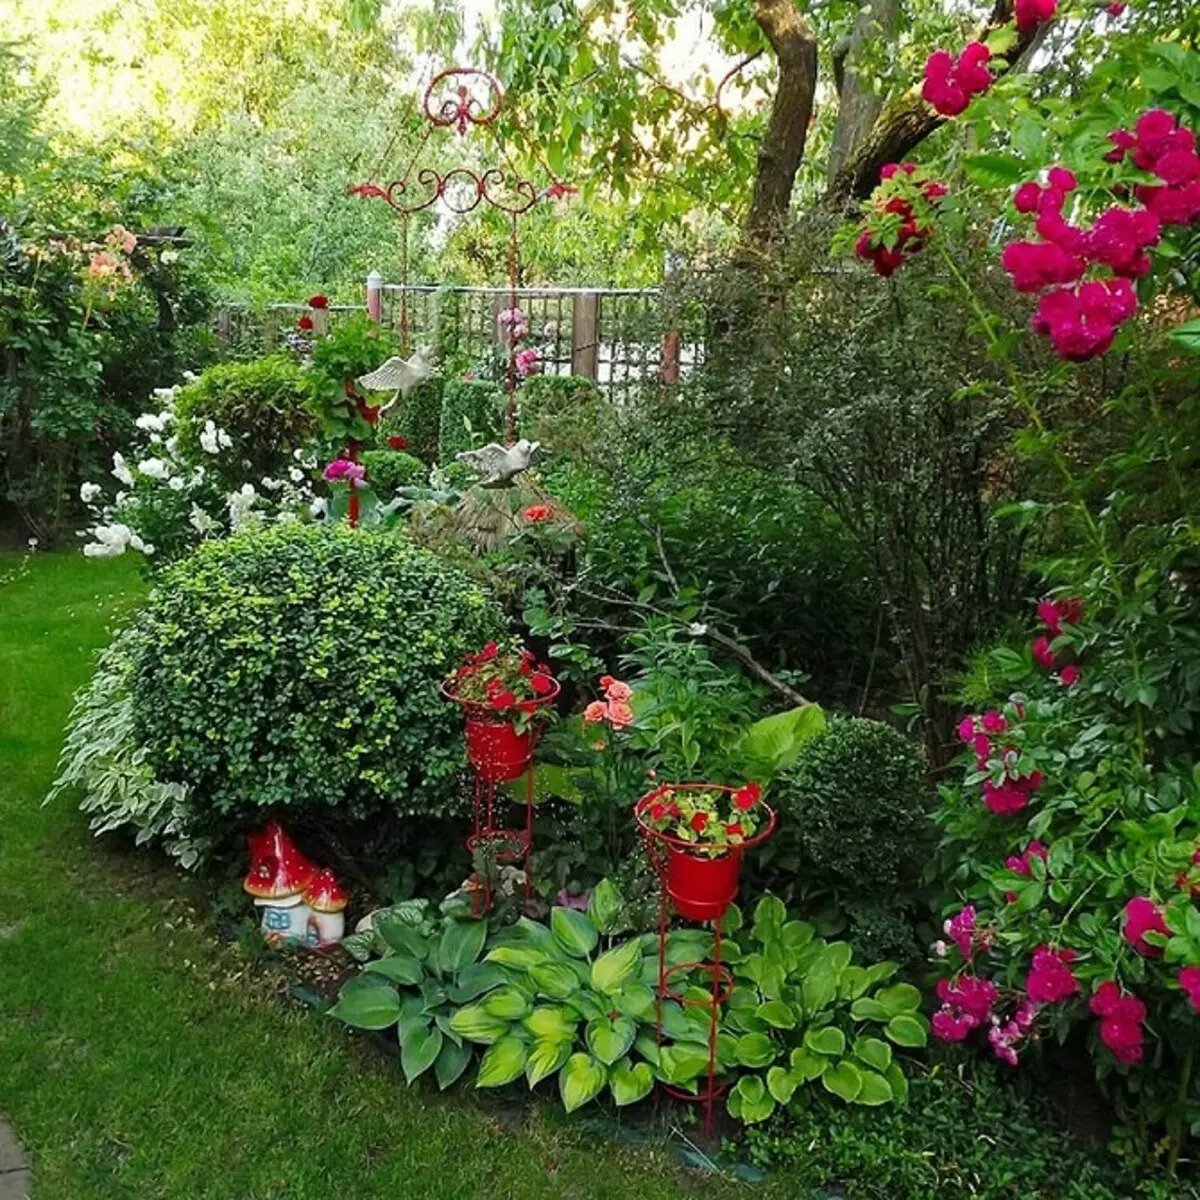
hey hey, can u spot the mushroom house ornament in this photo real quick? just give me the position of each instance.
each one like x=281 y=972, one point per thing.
x=301 y=906
x=327 y=902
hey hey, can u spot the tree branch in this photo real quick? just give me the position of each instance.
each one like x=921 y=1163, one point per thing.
x=909 y=120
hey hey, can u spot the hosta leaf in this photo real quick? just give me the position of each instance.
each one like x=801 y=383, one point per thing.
x=898 y=1082
x=586 y=1004
x=769 y=917
x=630 y=1082
x=509 y=1003
x=829 y=1041
x=522 y=957
x=610 y=1040
x=606 y=907
x=899 y=998
x=451 y=1063
x=476 y=1025
x=556 y=980
x=573 y=932
x=552 y=1023
x=843 y=1079
x=781 y=1083
x=875 y=1052
x=820 y=985
x=907 y=1030
x=755 y=1050
x=461 y=944
x=502 y=1062
x=614 y=967
x=636 y=1000
x=682 y=1063
x=853 y=983
x=777 y=1014
x=419 y=1049
x=677 y=1025
x=581 y=1079
x=839 y=955
x=881 y=972
x=367 y=1003
x=545 y=1057
x=875 y=1089
x=795 y=935
x=400 y=935
x=866 y=1009
x=647 y=1047
x=476 y=979
x=749 y=1100
x=807 y=1065
x=399 y=968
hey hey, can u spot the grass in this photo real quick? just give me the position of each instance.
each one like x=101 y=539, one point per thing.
x=138 y=1057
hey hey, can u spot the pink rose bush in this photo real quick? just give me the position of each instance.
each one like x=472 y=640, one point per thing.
x=951 y=83
x=901 y=217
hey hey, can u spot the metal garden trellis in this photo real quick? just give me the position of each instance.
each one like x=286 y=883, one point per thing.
x=462 y=99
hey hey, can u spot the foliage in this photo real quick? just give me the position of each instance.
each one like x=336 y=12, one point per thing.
x=503 y=678
x=297 y=667
x=567 y=413
x=418 y=419
x=564 y=1000
x=352 y=348
x=261 y=405
x=470 y=415
x=101 y=757
x=703 y=816
x=963 y=1132
x=853 y=823
x=388 y=470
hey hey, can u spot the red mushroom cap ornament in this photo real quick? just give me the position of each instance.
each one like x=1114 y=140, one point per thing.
x=277 y=868
x=324 y=894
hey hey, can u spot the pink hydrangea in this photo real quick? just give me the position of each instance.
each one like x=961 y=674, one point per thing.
x=1143 y=916
x=1050 y=979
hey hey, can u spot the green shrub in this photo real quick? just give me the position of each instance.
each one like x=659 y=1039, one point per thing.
x=388 y=470
x=470 y=413
x=418 y=419
x=298 y=666
x=853 y=826
x=977 y=1136
x=566 y=412
x=260 y=404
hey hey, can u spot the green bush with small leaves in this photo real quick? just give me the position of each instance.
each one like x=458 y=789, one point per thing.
x=388 y=470
x=418 y=419
x=262 y=405
x=471 y=414
x=297 y=668
x=565 y=412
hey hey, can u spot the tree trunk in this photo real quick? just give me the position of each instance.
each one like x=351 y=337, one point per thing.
x=782 y=149
x=858 y=104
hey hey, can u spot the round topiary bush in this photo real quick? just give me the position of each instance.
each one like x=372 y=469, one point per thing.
x=853 y=827
x=388 y=470
x=297 y=667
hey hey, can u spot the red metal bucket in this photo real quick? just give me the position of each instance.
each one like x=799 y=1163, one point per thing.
x=702 y=888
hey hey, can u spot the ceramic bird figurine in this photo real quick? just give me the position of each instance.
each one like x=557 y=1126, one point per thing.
x=500 y=465
x=399 y=376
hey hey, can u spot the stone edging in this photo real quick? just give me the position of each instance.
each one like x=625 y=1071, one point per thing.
x=16 y=1179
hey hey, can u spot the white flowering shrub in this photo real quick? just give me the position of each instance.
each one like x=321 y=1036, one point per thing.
x=171 y=496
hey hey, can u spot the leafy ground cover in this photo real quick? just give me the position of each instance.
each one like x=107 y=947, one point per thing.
x=140 y=1059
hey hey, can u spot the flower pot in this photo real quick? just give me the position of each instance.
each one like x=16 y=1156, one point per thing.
x=498 y=750
x=702 y=888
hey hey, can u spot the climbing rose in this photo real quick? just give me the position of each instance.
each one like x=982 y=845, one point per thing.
x=1119 y=238
x=1042 y=653
x=1189 y=981
x=1069 y=676
x=1032 y=13
x=961 y=929
x=1022 y=864
x=1121 y=1025
x=994 y=722
x=305 y=323
x=1142 y=916
x=1008 y=797
x=950 y=83
x=1050 y=979
x=966 y=728
x=1034 y=266
x=318 y=301
x=966 y=1004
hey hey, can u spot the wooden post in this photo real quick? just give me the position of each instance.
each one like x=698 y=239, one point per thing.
x=585 y=335
x=669 y=369
x=270 y=331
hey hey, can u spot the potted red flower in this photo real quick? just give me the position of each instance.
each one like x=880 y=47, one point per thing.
x=705 y=828
x=506 y=694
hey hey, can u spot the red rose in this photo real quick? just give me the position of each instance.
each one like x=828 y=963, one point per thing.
x=503 y=700
x=305 y=323
x=318 y=301
x=699 y=821
x=735 y=830
x=541 y=682
x=397 y=443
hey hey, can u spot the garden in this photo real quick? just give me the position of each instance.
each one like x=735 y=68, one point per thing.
x=541 y=721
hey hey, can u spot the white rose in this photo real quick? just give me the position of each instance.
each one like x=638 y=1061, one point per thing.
x=89 y=491
x=272 y=485
x=150 y=423
x=208 y=439
x=296 y=475
x=121 y=471
x=154 y=468
x=176 y=483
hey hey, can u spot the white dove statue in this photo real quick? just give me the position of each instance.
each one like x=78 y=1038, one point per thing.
x=399 y=376
x=500 y=465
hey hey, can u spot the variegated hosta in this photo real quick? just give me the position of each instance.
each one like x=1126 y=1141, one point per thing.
x=801 y=1011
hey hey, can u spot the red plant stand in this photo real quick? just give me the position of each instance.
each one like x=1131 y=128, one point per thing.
x=699 y=889
x=499 y=753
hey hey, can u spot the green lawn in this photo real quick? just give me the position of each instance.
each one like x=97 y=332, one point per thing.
x=140 y=1058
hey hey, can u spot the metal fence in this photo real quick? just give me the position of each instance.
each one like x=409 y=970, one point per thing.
x=620 y=337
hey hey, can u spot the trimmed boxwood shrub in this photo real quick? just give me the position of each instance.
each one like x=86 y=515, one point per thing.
x=388 y=470
x=473 y=402
x=854 y=826
x=262 y=405
x=297 y=668
x=418 y=419
x=566 y=412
